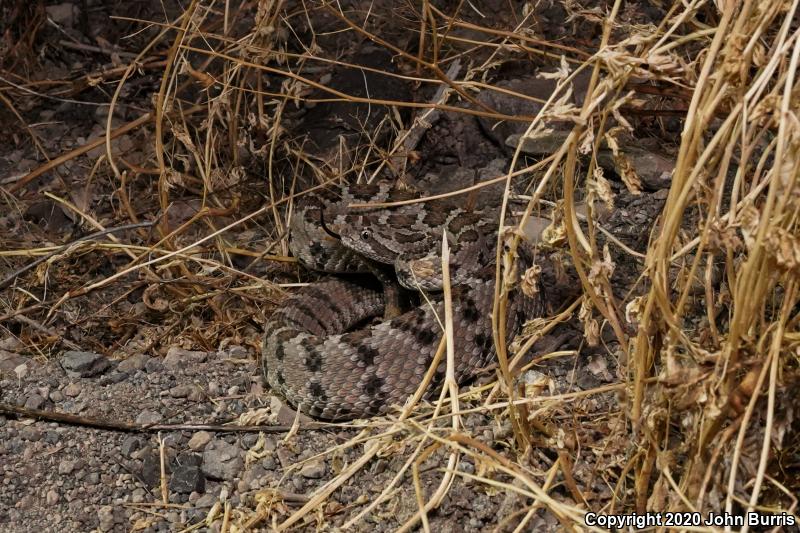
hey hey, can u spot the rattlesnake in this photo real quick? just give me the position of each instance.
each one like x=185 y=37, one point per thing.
x=310 y=354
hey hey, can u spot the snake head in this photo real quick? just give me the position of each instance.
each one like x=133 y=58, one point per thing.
x=367 y=241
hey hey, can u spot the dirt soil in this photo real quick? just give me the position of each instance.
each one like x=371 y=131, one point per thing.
x=179 y=344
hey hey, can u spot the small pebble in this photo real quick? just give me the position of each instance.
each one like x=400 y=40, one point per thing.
x=34 y=401
x=149 y=417
x=180 y=391
x=199 y=440
x=313 y=470
x=133 y=363
x=84 y=364
x=52 y=497
x=130 y=445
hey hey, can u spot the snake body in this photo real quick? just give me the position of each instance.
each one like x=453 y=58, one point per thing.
x=319 y=350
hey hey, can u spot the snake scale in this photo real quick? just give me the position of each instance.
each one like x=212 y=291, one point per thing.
x=320 y=350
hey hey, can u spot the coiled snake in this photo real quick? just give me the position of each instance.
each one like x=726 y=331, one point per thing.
x=313 y=356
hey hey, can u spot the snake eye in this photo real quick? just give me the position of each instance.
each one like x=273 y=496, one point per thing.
x=366 y=234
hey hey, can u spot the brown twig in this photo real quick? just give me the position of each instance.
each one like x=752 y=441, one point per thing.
x=128 y=427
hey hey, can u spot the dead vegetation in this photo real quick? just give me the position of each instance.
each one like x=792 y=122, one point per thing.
x=700 y=413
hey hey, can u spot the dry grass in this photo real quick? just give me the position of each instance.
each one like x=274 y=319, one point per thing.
x=708 y=347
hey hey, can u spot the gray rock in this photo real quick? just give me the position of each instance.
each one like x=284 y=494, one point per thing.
x=73 y=407
x=234 y=351
x=133 y=363
x=130 y=445
x=153 y=366
x=105 y=515
x=253 y=477
x=654 y=169
x=34 y=401
x=195 y=515
x=20 y=371
x=52 y=497
x=30 y=433
x=138 y=495
x=84 y=364
x=178 y=357
x=249 y=440
x=285 y=458
x=72 y=390
x=25 y=503
x=66 y=467
x=186 y=479
x=151 y=470
x=464 y=466
x=206 y=500
x=149 y=417
x=113 y=377
x=287 y=415
x=184 y=459
x=56 y=396
x=64 y=14
x=180 y=391
x=221 y=460
x=199 y=440
x=27 y=453
x=586 y=380
x=10 y=360
x=269 y=463
x=11 y=344
x=140 y=454
x=313 y=470
x=542 y=144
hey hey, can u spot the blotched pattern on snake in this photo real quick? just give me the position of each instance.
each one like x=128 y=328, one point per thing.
x=312 y=354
